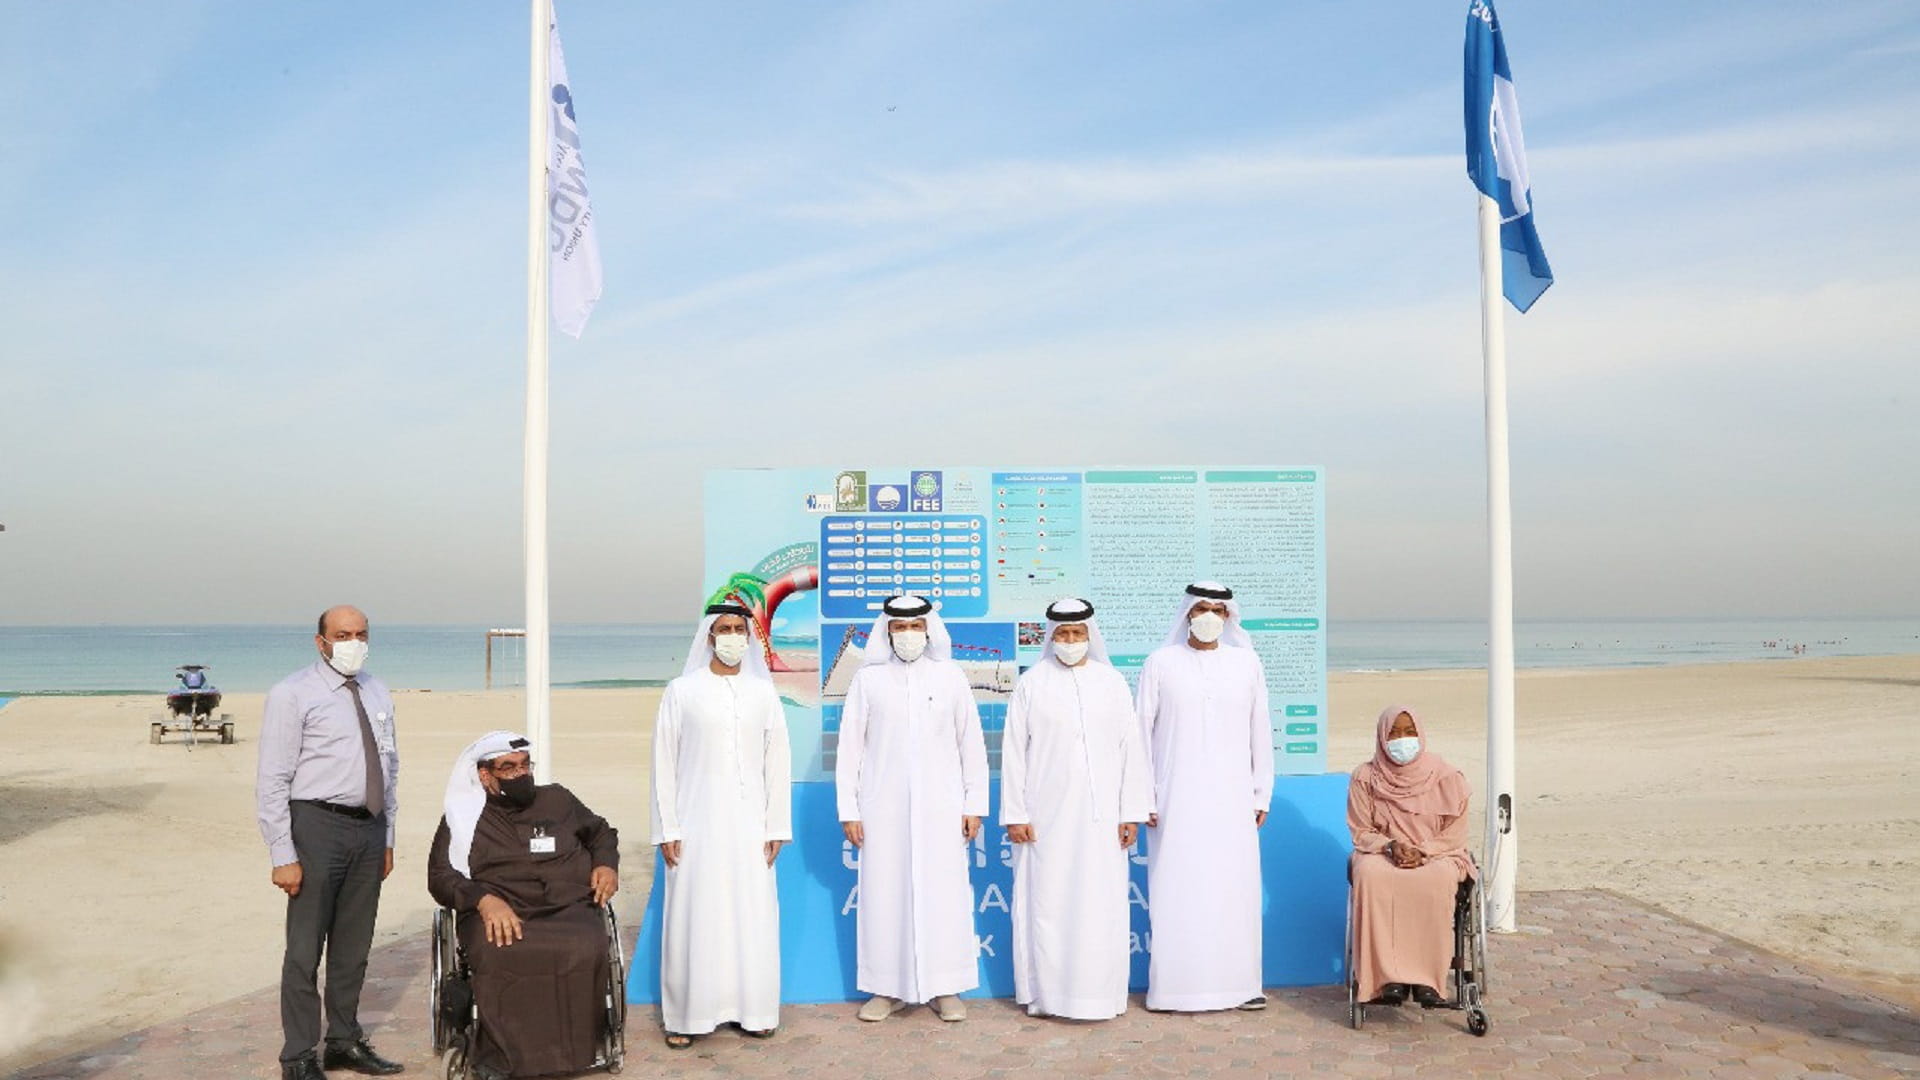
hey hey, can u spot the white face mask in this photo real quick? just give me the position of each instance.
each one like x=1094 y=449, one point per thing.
x=908 y=645
x=1070 y=652
x=1207 y=627
x=349 y=657
x=1404 y=750
x=729 y=648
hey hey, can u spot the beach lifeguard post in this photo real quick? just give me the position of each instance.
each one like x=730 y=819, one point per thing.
x=505 y=634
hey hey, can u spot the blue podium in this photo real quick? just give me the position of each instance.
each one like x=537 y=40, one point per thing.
x=1303 y=851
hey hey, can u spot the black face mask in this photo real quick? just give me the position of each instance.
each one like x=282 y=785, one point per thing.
x=518 y=791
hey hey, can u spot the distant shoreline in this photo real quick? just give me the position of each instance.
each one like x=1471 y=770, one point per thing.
x=680 y=627
x=589 y=684
x=110 y=662
x=654 y=684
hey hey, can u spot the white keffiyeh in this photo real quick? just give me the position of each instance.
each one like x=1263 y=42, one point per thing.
x=880 y=643
x=1074 y=610
x=1235 y=635
x=700 y=652
x=466 y=798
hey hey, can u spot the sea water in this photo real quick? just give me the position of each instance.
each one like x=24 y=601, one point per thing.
x=241 y=659
x=249 y=659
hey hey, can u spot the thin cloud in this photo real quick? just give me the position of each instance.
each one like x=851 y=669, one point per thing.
x=1891 y=48
x=996 y=194
x=1026 y=189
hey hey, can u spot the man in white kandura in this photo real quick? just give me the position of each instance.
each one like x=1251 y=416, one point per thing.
x=1073 y=788
x=1203 y=713
x=721 y=812
x=911 y=778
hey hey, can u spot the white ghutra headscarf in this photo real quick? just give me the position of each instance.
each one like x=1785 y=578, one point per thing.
x=700 y=652
x=880 y=643
x=466 y=798
x=1074 y=610
x=1234 y=635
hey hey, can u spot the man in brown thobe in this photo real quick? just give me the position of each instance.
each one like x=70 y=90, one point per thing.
x=526 y=867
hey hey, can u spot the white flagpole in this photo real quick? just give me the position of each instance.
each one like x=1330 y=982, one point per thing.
x=1502 y=837
x=534 y=486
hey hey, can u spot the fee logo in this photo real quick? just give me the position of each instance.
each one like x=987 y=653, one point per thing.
x=925 y=486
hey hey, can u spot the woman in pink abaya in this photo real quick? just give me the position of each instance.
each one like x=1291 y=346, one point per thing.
x=1407 y=809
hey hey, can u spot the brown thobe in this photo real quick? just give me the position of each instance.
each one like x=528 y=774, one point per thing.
x=1403 y=919
x=542 y=998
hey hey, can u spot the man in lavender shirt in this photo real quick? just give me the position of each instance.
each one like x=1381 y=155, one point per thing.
x=325 y=797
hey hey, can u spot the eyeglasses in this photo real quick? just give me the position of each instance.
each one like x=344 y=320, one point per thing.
x=510 y=769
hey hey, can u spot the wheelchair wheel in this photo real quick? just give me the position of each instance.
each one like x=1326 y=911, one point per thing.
x=616 y=1039
x=443 y=963
x=1356 y=1012
x=453 y=1064
x=1474 y=961
x=1477 y=939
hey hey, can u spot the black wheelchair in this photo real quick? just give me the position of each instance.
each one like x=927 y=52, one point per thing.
x=1469 y=967
x=456 y=1018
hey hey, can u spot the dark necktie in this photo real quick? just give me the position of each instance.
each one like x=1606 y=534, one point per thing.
x=376 y=780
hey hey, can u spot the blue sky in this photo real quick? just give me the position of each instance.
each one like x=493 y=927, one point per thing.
x=263 y=290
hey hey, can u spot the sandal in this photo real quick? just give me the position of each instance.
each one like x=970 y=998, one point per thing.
x=676 y=1041
x=752 y=1034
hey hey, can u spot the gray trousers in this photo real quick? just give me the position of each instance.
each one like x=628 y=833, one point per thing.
x=340 y=860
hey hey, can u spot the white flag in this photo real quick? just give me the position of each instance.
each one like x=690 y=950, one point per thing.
x=573 y=252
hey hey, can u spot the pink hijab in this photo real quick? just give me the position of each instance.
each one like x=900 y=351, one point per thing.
x=1425 y=785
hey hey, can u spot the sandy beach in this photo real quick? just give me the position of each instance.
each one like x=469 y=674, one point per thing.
x=1772 y=801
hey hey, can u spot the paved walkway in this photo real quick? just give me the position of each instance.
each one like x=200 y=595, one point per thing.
x=1596 y=985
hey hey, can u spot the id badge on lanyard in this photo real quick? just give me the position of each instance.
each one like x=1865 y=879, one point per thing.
x=541 y=843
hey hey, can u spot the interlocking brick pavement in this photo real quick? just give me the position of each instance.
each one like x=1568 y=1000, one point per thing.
x=1594 y=985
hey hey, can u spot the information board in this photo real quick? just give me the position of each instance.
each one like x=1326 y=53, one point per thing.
x=814 y=552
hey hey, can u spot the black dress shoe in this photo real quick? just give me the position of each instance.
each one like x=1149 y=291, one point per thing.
x=304 y=1067
x=1391 y=994
x=360 y=1058
x=1428 y=997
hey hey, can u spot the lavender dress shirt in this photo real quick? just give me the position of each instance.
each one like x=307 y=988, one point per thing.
x=310 y=748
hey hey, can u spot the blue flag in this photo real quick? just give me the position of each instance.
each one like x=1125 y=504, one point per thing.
x=1497 y=157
